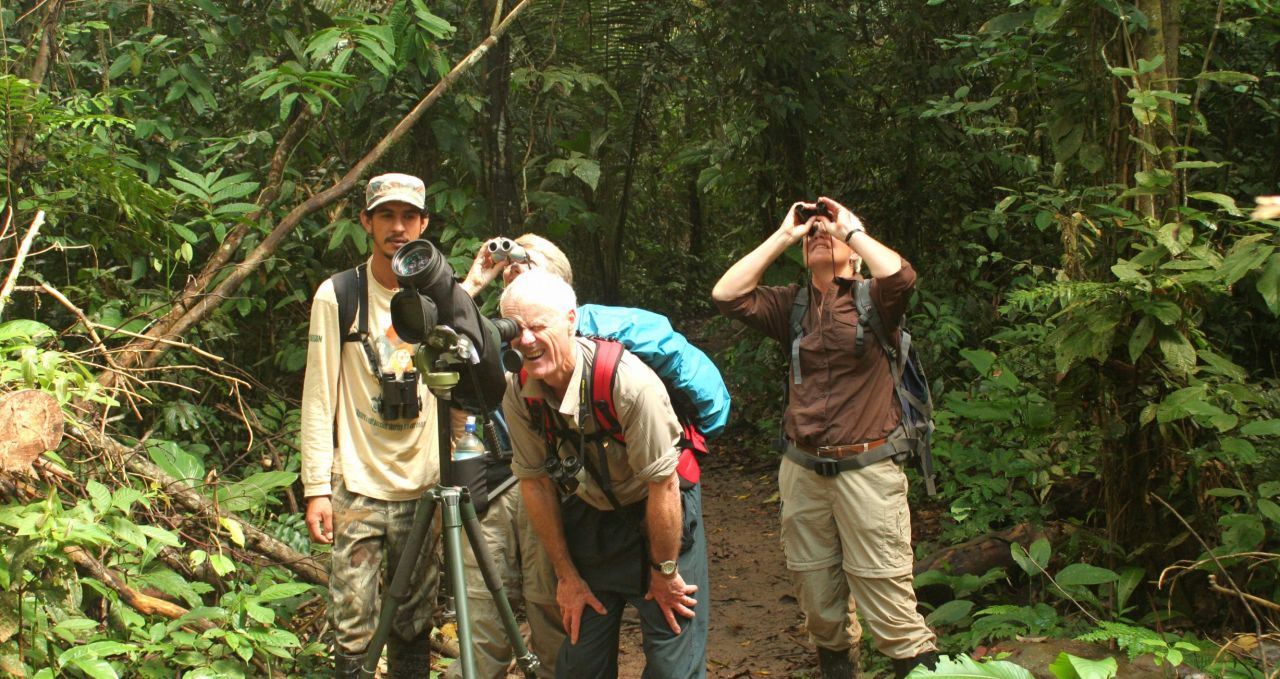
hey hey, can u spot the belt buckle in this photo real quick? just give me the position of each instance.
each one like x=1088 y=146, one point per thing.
x=863 y=447
x=824 y=466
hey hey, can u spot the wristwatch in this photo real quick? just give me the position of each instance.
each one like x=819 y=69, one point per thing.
x=666 y=568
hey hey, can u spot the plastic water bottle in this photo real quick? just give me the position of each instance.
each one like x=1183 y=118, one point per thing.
x=468 y=445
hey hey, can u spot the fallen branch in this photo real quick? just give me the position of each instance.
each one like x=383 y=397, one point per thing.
x=136 y=462
x=18 y=261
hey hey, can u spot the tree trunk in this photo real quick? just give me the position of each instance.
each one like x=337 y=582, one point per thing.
x=1159 y=41
x=504 y=204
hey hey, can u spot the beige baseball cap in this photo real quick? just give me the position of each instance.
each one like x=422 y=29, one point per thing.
x=405 y=188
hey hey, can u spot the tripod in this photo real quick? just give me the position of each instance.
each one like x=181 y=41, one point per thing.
x=458 y=513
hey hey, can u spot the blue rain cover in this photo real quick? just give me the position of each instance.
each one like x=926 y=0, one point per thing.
x=680 y=364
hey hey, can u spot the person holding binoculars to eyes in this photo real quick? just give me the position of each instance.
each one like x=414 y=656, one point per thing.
x=369 y=441
x=522 y=562
x=846 y=527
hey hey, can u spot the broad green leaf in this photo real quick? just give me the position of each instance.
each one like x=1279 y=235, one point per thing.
x=99 y=495
x=1269 y=284
x=1149 y=65
x=964 y=667
x=1178 y=353
x=95 y=668
x=1244 y=532
x=1261 y=428
x=981 y=360
x=1226 y=492
x=261 y=613
x=1239 y=450
x=1246 y=255
x=284 y=590
x=588 y=171
x=233 y=528
x=24 y=330
x=1224 y=201
x=950 y=613
x=253 y=491
x=221 y=564
x=1270 y=510
x=1067 y=666
x=1198 y=164
x=1269 y=489
x=1130 y=578
x=1141 y=338
x=175 y=461
x=1078 y=574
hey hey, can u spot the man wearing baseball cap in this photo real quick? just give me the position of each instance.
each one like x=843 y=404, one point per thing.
x=368 y=452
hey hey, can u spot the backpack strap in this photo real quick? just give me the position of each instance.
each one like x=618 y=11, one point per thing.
x=554 y=430
x=604 y=370
x=798 y=309
x=351 y=287
x=899 y=354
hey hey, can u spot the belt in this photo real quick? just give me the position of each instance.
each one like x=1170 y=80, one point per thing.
x=831 y=460
x=847 y=450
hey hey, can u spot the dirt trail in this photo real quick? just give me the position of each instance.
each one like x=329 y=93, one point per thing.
x=755 y=622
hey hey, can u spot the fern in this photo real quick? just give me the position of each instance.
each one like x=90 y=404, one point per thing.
x=1132 y=640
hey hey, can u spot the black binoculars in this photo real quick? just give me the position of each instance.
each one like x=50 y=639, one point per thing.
x=399 y=400
x=804 y=214
x=564 y=473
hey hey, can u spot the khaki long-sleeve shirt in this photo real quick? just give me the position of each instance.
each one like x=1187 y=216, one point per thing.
x=341 y=431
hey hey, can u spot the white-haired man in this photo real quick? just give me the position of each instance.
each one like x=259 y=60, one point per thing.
x=626 y=531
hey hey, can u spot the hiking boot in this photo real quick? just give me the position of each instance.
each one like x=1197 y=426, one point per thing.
x=347 y=666
x=839 y=664
x=903 y=667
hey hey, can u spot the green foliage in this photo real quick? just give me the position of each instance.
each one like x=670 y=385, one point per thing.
x=1137 y=640
x=963 y=667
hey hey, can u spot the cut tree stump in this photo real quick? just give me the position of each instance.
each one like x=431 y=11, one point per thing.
x=30 y=424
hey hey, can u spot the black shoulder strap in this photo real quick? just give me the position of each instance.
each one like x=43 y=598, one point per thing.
x=351 y=287
x=869 y=316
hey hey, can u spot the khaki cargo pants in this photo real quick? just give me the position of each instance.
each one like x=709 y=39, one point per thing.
x=847 y=541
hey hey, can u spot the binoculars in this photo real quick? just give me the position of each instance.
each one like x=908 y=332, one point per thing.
x=804 y=214
x=506 y=249
x=564 y=473
x=399 y=399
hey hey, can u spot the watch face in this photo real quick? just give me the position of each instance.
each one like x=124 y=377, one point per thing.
x=667 y=567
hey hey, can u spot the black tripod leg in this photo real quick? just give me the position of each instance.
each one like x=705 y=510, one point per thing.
x=400 y=581
x=527 y=661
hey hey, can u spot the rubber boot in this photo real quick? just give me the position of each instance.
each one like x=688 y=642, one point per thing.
x=839 y=664
x=903 y=667
x=347 y=666
x=409 y=662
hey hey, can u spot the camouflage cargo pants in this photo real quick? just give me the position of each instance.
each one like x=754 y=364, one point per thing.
x=369 y=537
